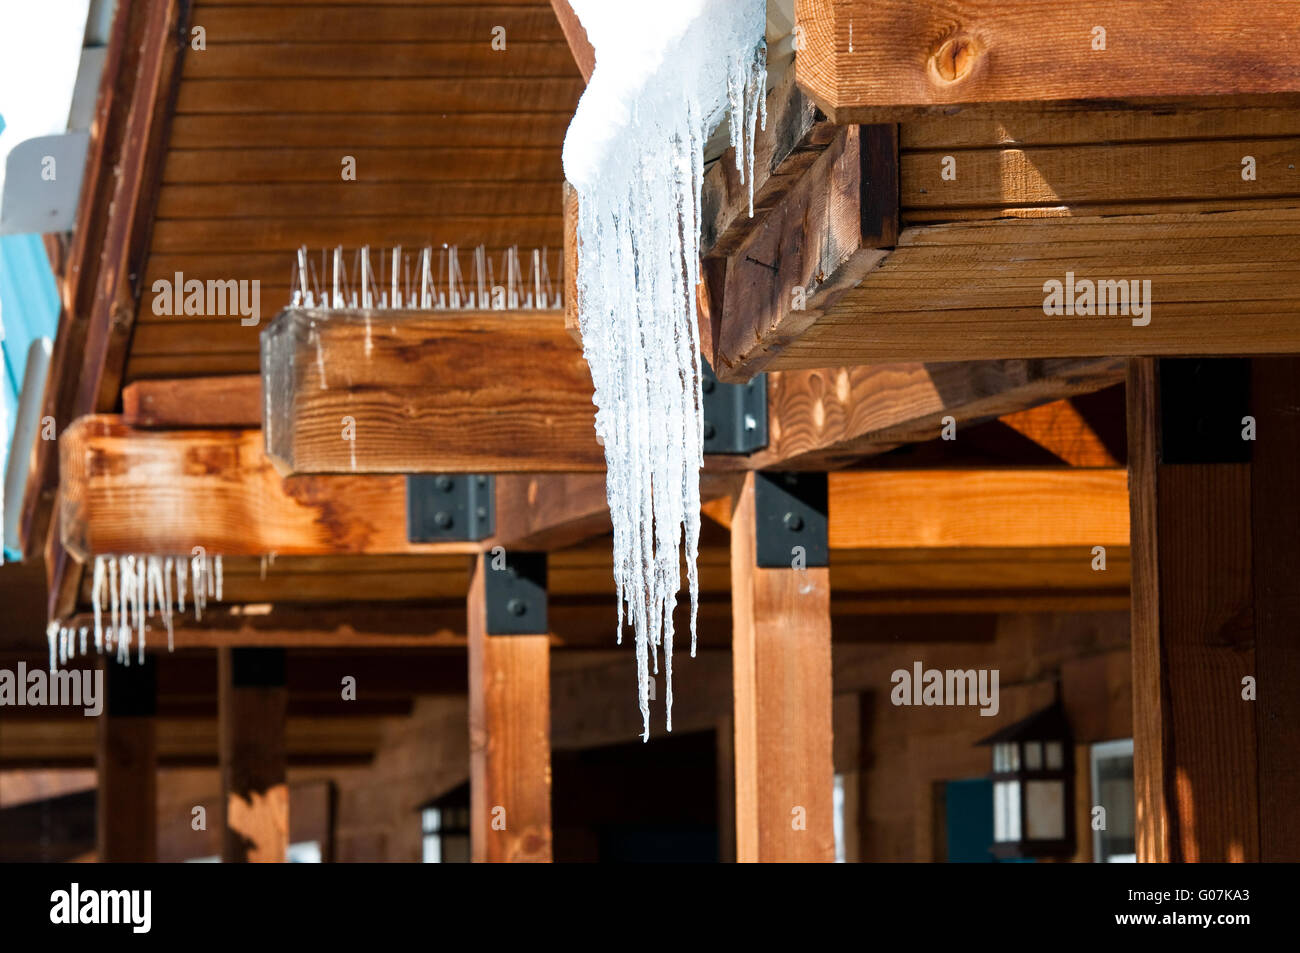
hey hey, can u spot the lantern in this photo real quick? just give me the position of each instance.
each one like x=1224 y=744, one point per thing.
x=1033 y=787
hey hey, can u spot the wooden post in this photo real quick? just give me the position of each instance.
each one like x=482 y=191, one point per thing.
x=1215 y=549
x=126 y=759
x=509 y=713
x=781 y=659
x=252 y=701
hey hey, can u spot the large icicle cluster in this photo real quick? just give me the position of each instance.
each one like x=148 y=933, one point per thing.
x=666 y=74
x=128 y=591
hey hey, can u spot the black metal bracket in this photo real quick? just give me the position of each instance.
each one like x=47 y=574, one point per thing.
x=735 y=415
x=1202 y=403
x=791 y=510
x=514 y=586
x=444 y=507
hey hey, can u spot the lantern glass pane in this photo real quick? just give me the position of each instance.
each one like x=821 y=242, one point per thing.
x=1055 y=755
x=1045 y=810
x=1006 y=811
x=1033 y=756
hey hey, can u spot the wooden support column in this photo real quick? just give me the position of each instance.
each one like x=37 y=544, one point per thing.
x=781 y=658
x=1215 y=545
x=509 y=710
x=126 y=759
x=252 y=702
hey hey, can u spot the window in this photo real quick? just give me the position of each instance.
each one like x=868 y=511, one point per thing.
x=444 y=822
x=1112 y=789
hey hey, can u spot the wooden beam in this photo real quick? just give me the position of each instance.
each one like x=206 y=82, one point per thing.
x=974 y=291
x=818 y=241
x=509 y=737
x=217 y=489
x=1061 y=429
x=427 y=392
x=194 y=403
x=134 y=31
x=252 y=704
x=583 y=54
x=906 y=56
x=1209 y=549
x=825 y=419
x=978 y=508
x=781 y=651
x=127 y=764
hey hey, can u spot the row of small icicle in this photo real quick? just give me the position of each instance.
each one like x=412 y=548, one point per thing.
x=126 y=592
x=429 y=288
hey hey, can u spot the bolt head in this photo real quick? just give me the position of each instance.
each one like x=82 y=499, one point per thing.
x=516 y=607
x=793 y=522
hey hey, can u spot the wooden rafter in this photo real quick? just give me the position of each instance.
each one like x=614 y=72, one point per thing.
x=883 y=60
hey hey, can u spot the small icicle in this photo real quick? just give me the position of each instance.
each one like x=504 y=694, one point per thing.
x=207 y=569
x=84 y=632
x=52 y=636
x=167 y=602
x=97 y=598
x=113 y=597
x=180 y=584
x=142 y=574
x=63 y=645
x=196 y=579
x=218 y=565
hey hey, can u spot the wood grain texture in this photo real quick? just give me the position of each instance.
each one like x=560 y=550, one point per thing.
x=961 y=508
x=1061 y=429
x=579 y=46
x=1195 y=754
x=427 y=392
x=781 y=663
x=1081 y=176
x=251 y=739
x=905 y=54
x=807 y=252
x=217 y=489
x=509 y=739
x=795 y=135
x=1275 y=527
x=192 y=403
x=824 y=419
x=975 y=291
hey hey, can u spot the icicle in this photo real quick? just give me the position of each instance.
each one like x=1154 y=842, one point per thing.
x=196 y=578
x=115 y=601
x=52 y=636
x=218 y=593
x=63 y=645
x=141 y=575
x=634 y=152
x=97 y=599
x=207 y=570
x=180 y=584
x=167 y=602
x=83 y=633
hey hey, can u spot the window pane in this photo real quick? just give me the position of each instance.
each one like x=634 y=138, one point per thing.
x=1013 y=757
x=1045 y=810
x=1006 y=811
x=1033 y=756
x=1055 y=756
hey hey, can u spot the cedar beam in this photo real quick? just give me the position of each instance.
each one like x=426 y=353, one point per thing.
x=781 y=651
x=819 y=240
x=252 y=705
x=217 y=489
x=194 y=403
x=1214 y=556
x=907 y=58
x=127 y=763
x=426 y=392
x=825 y=419
x=509 y=736
x=977 y=291
x=583 y=54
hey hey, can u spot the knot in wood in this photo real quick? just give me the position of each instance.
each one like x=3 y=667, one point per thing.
x=954 y=59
